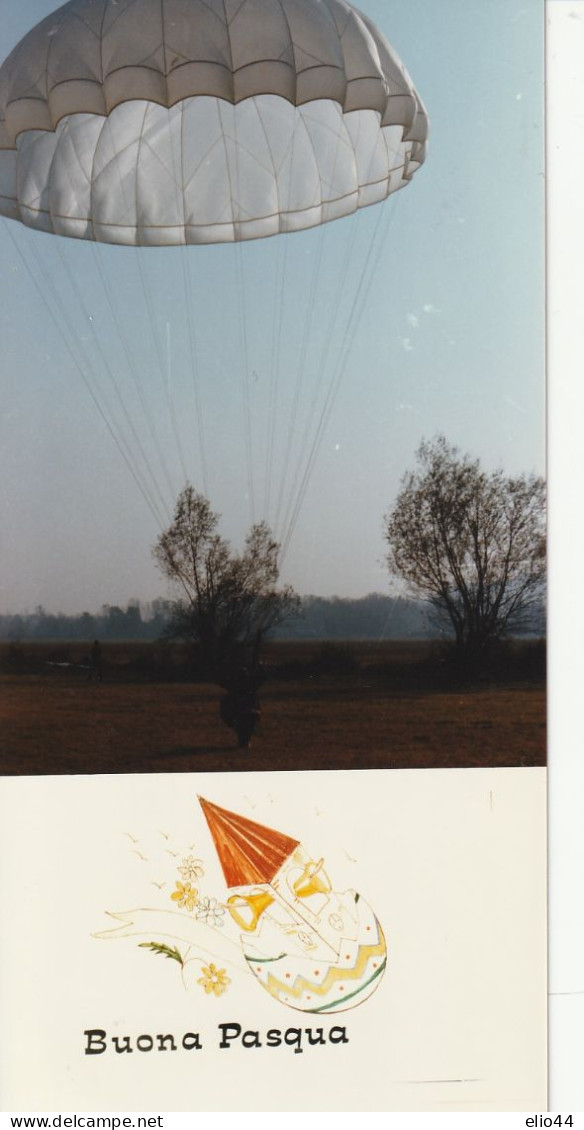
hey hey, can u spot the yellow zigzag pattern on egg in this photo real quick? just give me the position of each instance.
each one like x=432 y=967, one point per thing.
x=300 y=984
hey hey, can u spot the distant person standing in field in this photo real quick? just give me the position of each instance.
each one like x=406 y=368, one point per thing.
x=240 y=708
x=95 y=668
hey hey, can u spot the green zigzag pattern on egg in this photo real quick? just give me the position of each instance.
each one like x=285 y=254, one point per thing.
x=355 y=981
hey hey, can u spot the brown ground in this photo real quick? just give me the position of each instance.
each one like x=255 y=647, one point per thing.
x=389 y=711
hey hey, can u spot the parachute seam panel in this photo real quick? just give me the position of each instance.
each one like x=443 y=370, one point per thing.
x=101 y=38
x=269 y=148
x=136 y=179
x=291 y=211
x=14 y=148
x=182 y=167
x=267 y=215
x=213 y=13
x=335 y=30
x=113 y=160
x=341 y=135
x=253 y=157
x=47 y=186
x=228 y=167
x=238 y=10
x=51 y=43
x=229 y=44
x=215 y=224
x=359 y=78
x=119 y=15
x=292 y=45
x=172 y=175
x=324 y=125
x=346 y=23
x=227 y=23
x=206 y=154
x=353 y=151
x=202 y=94
x=163 y=45
x=72 y=141
x=84 y=24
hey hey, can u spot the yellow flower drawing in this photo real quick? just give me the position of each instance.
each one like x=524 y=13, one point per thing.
x=214 y=980
x=185 y=895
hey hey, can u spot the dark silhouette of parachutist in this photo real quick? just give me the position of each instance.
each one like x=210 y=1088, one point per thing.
x=240 y=707
x=95 y=668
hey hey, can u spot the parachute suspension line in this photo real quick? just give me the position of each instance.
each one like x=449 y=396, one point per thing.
x=275 y=358
x=383 y=633
x=121 y=440
x=160 y=359
x=307 y=332
x=178 y=170
x=127 y=347
x=378 y=241
x=78 y=292
x=302 y=355
x=135 y=378
x=333 y=388
x=376 y=249
x=323 y=363
x=297 y=496
x=245 y=377
x=232 y=114
x=278 y=320
x=195 y=368
x=80 y=369
x=104 y=406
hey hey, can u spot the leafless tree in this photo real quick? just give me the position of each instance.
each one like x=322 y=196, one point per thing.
x=472 y=543
x=228 y=601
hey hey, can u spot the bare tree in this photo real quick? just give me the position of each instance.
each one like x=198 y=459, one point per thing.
x=229 y=601
x=471 y=543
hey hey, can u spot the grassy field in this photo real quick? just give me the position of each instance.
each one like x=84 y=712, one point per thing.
x=324 y=706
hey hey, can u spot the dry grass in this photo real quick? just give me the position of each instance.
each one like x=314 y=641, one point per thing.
x=387 y=713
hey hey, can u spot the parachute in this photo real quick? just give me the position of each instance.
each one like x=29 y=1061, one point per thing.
x=202 y=121
x=165 y=123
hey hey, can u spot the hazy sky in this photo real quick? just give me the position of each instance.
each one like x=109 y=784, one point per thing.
x=426 y=312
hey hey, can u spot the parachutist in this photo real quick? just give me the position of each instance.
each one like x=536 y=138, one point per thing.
x=240 y=707
x=95 y=667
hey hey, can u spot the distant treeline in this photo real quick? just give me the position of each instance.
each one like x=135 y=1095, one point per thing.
x=137 y=621
x=373 y=617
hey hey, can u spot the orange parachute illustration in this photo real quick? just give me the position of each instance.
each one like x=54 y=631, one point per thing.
x=309 y=946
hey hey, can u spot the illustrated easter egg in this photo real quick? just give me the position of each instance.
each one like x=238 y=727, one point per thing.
x=310 y=947
x=317 y=981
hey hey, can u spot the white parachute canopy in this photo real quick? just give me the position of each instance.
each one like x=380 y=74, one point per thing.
x=167 y=123
x=202 y=121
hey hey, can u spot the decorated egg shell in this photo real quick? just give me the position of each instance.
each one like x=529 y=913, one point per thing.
x=318 y=980
x=309 y=947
